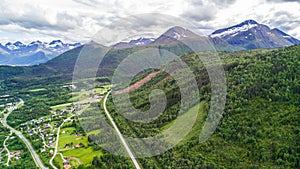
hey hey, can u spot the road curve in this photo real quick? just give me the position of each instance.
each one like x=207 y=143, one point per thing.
x=56 y=143
x=34 y=155
x=136 y=164
x=7 y=150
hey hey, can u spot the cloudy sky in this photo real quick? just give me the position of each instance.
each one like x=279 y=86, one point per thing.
x=80 y=20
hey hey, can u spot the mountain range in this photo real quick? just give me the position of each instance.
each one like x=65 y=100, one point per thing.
x=244 y=36
x=36 y=52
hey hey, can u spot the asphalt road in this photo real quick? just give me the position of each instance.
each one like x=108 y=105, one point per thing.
x=6 y=149
x=136 y=164
x=56 y=144
x=34 y=155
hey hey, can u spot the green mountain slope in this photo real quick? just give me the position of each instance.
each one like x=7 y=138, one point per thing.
x=260 y=125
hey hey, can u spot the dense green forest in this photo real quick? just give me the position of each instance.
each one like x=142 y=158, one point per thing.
x=260 y=125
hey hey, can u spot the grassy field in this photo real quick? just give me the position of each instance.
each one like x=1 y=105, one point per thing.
x=68 y=138
x=93 y=132
x=99 y=91
x=37 y=90
x=193 y=109
x=59 y=161
x=78 y=96
x=197 y=128
x=178 y=128
x=85 y=155
x=60 y=106
x=74 y=163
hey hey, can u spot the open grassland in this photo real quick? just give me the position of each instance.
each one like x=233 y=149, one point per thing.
x=58 y=161
x=70 y=137
x=37 y=90
x=84 y=154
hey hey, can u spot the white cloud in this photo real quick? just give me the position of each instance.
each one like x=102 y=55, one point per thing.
x=79 y=20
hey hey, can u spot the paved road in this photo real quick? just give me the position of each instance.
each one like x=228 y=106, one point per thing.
x=57 y=139
x=34 y=155
x=6 y=149
x=136 y=164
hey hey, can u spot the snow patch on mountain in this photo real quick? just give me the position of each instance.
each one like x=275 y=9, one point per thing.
x=141 y=41
x=234 y=30
x=179 y=36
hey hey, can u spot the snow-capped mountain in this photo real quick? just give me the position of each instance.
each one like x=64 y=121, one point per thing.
x=244 y=36
x=14 y=46
x=251 y=35
x=180 y=36
x=172 y=35
x=142 y=41
x=18 y=53
x=234 y=30
x=176 y=34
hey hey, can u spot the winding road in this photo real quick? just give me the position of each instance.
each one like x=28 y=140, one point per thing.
x=57 y=139
x=136 y=164
x=34 y=155
x=6 y=149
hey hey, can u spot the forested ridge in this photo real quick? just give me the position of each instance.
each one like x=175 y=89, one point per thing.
x=260 y=125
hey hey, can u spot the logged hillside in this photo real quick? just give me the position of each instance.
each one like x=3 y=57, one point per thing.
x=260 y=125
